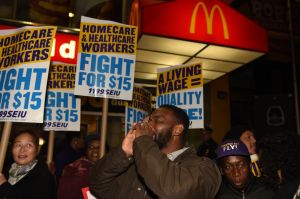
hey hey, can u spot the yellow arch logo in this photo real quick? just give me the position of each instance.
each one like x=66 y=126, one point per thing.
x=209 y=19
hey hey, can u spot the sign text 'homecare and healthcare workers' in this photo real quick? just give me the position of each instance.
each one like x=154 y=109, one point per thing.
x=62 y=107
x=182 y=86
x=137 y=109
x=106 y=59
x=24 y=65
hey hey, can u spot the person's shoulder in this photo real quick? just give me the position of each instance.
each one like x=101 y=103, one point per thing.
x=261 y=187
x=40 y=174
x=42 y=169
x=259 y=181
x=191 y=156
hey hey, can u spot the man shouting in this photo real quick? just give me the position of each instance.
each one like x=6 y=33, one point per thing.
x=154 y=162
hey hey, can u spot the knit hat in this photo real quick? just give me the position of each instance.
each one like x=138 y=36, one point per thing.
x=236 y=132
x=232 y=147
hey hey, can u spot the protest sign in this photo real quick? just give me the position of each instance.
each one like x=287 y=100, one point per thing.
x=87 y=194
x=106 y=59
x=62 y=107
x=24 y=65
x=137 y=109
x=182 y=86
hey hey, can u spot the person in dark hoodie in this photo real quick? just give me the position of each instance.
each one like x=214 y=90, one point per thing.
x=71 y=151
x=208 y=146
x=238 y=182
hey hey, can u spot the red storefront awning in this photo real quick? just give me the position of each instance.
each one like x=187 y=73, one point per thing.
x=185 y=31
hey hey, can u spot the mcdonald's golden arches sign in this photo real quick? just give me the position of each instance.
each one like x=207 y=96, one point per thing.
x=209 y=21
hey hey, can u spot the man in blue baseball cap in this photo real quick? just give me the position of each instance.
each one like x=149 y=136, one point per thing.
x=238 y=182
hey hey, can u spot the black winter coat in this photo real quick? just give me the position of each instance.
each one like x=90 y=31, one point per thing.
x=39 y=183
x=254 y=190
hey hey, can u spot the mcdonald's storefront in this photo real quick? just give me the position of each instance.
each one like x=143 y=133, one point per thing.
x=189 y=31
x=175 y=32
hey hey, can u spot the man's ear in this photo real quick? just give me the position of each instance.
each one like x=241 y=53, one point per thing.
x=178 y=130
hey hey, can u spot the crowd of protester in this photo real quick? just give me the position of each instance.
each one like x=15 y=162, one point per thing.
x=269 y=168
x=154 y=161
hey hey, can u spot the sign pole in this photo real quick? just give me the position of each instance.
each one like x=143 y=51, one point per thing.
x=294 y=67
x=103 y=126
x=124 y=11
x=50 y=147
x=4 y=143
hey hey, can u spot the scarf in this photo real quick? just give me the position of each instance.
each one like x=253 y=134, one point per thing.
x=17 y=172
